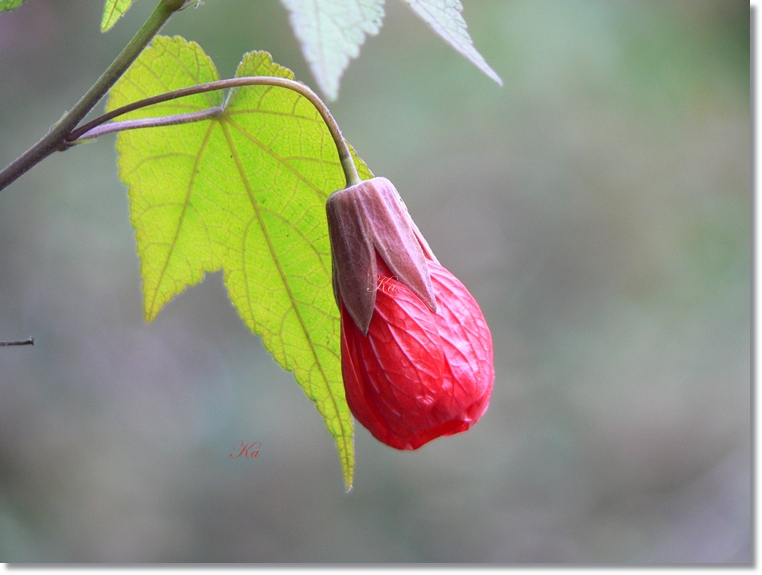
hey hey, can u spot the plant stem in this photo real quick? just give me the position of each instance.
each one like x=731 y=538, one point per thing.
x=88 y=130
x=55 y=139
x=29 y=341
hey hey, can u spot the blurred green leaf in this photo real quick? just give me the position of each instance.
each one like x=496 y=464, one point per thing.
x=244 y=192
x=9 y=4
x=331 y=33
x=112 y=11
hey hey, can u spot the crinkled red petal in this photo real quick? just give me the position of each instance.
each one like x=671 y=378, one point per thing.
x=418 y=375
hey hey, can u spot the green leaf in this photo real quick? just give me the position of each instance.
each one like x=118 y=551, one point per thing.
x=6 y=5
x=112 y=11
x=244 y=192
x=445 y=18
x=331 y=33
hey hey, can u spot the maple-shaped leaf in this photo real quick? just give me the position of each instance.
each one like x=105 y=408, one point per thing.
x=244 y=192
x=445 y=18
x=112 y=11
x=9 y=4
x=331 y=33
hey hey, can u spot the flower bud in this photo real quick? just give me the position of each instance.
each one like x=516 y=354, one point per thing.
x=416 y=352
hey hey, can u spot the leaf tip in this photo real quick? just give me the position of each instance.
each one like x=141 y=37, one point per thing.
x=331 y=92
x=446 y=20
x=149 y=315
x=345 y=443
x=151 y=307
x=349 y=472
x=493 y=75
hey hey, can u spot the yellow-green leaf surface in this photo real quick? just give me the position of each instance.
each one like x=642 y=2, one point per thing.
x=244 y=192
x=112 y=11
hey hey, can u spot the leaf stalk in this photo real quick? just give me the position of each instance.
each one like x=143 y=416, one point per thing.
x=91 y=129
x=174 y=120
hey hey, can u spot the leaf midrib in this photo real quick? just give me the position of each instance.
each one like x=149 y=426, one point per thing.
x=255 y=206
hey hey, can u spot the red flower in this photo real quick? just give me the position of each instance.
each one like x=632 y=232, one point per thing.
x=416 y=351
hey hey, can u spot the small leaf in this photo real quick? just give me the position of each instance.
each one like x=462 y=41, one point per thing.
x=6 y=5
x=445 y=17
x=331 y=33
x=112 y=11
x=244 y=192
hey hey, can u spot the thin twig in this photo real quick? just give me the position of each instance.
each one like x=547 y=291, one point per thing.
x=29 y=341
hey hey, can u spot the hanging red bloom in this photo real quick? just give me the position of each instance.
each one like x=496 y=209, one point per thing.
x=416 y=352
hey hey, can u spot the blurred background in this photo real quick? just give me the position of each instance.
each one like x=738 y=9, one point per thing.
x=598 y=206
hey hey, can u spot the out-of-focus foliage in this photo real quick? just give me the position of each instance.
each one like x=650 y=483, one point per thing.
x=445 y=18
x=332 y=31
x=598 y=207
x=9 y=4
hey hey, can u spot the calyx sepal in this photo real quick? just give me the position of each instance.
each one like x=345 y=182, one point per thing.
x=366 y=219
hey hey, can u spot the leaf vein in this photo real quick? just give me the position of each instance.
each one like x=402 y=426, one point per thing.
x=294 y=304
x=321 y=194
x=186 y=204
